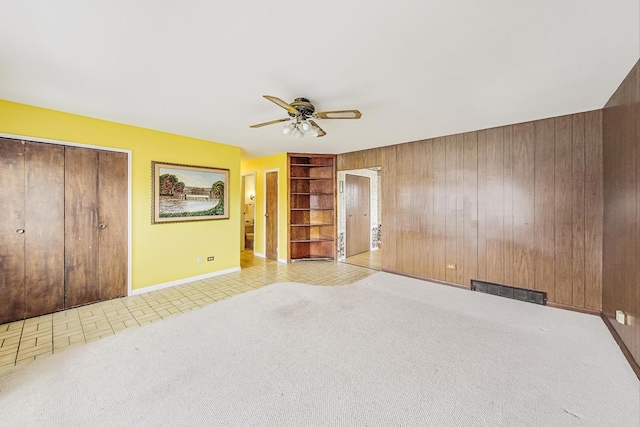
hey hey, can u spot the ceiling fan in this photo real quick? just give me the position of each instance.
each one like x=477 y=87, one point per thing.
x=301 y=113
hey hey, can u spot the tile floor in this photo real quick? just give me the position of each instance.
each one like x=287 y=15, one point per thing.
x=370 y=259
x=27 y=340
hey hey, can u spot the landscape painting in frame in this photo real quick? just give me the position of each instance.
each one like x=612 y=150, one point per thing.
x=189 y=193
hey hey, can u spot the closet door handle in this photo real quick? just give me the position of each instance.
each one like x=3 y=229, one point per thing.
x=102 y=226
x=20 y=230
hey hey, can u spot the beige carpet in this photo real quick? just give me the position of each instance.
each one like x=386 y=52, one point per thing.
x=386 y=351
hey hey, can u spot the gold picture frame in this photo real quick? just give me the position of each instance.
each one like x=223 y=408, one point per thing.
x=183 y=193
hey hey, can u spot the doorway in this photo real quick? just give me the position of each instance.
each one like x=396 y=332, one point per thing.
x=247 y=228
x=357 y=226
x=359 y=214
x=271 y=215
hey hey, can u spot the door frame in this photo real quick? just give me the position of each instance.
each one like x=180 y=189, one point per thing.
x=129 y=185
x=346 y=222
x=242 y=223
x=264 y=218
x=341 y=207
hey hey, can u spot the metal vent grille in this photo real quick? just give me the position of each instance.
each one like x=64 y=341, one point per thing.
x=520 y=294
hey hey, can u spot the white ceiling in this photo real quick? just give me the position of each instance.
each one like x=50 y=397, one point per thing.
x=415 y=69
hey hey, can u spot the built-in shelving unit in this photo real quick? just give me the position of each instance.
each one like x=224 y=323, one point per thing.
x=312 y=207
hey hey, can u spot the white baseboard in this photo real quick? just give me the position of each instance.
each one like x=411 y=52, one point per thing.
x=182 y=281
x=284 y=261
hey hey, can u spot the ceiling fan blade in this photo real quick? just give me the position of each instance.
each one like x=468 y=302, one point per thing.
x=341 y=114
x=259 y=125
x=282 y=104
x=320 y=131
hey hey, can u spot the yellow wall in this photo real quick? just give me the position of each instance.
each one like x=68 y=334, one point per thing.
x=161 y=252
x=259 y=166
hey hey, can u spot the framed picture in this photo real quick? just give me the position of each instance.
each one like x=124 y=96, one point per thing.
x=189 y=193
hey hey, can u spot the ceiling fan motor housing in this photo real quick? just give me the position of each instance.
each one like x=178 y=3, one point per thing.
x=303 y=105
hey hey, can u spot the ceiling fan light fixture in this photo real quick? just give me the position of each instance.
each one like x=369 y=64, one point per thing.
x=288 y=128
x=301 y=114
x=297 y=133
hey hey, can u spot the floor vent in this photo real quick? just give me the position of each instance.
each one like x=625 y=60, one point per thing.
x=527 y=295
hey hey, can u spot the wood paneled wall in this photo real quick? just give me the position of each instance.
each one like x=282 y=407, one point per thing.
x=519 y=205
x=621 y=253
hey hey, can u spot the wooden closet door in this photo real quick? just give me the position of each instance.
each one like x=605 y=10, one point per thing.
x=44 y=228
x=12 y=188
x=358 y=223
x=31 y=233
x=81 y=226
x=112 y=228
x=95 y=225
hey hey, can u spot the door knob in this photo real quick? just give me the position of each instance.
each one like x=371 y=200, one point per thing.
x=102 y=226
x=20 y=230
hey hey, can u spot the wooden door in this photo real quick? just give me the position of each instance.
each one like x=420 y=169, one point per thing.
x=271 y=214
x=95 y=226
x=358 y=215
x=112 y=224
x=31 y=232
x=51 y=244
x=81 y=226
x=12 y=225
x=44 y=228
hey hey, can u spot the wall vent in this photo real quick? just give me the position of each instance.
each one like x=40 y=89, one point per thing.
x=527 y=295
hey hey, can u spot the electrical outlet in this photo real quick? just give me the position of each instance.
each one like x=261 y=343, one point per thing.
x=199 y=260
x=209 y=258
x=621 y=317
x=452 y=267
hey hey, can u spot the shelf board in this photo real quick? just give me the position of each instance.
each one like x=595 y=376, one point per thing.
x=312 y=225
x=311 y=166
x=311 y=240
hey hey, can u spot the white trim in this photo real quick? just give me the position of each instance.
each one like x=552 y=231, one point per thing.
x=130 y=224
x=182 y=281
x=284 y=261
x=244 y=189
x=342 y=205
x=264 y=225
x=60 y=142
x=129 y=187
